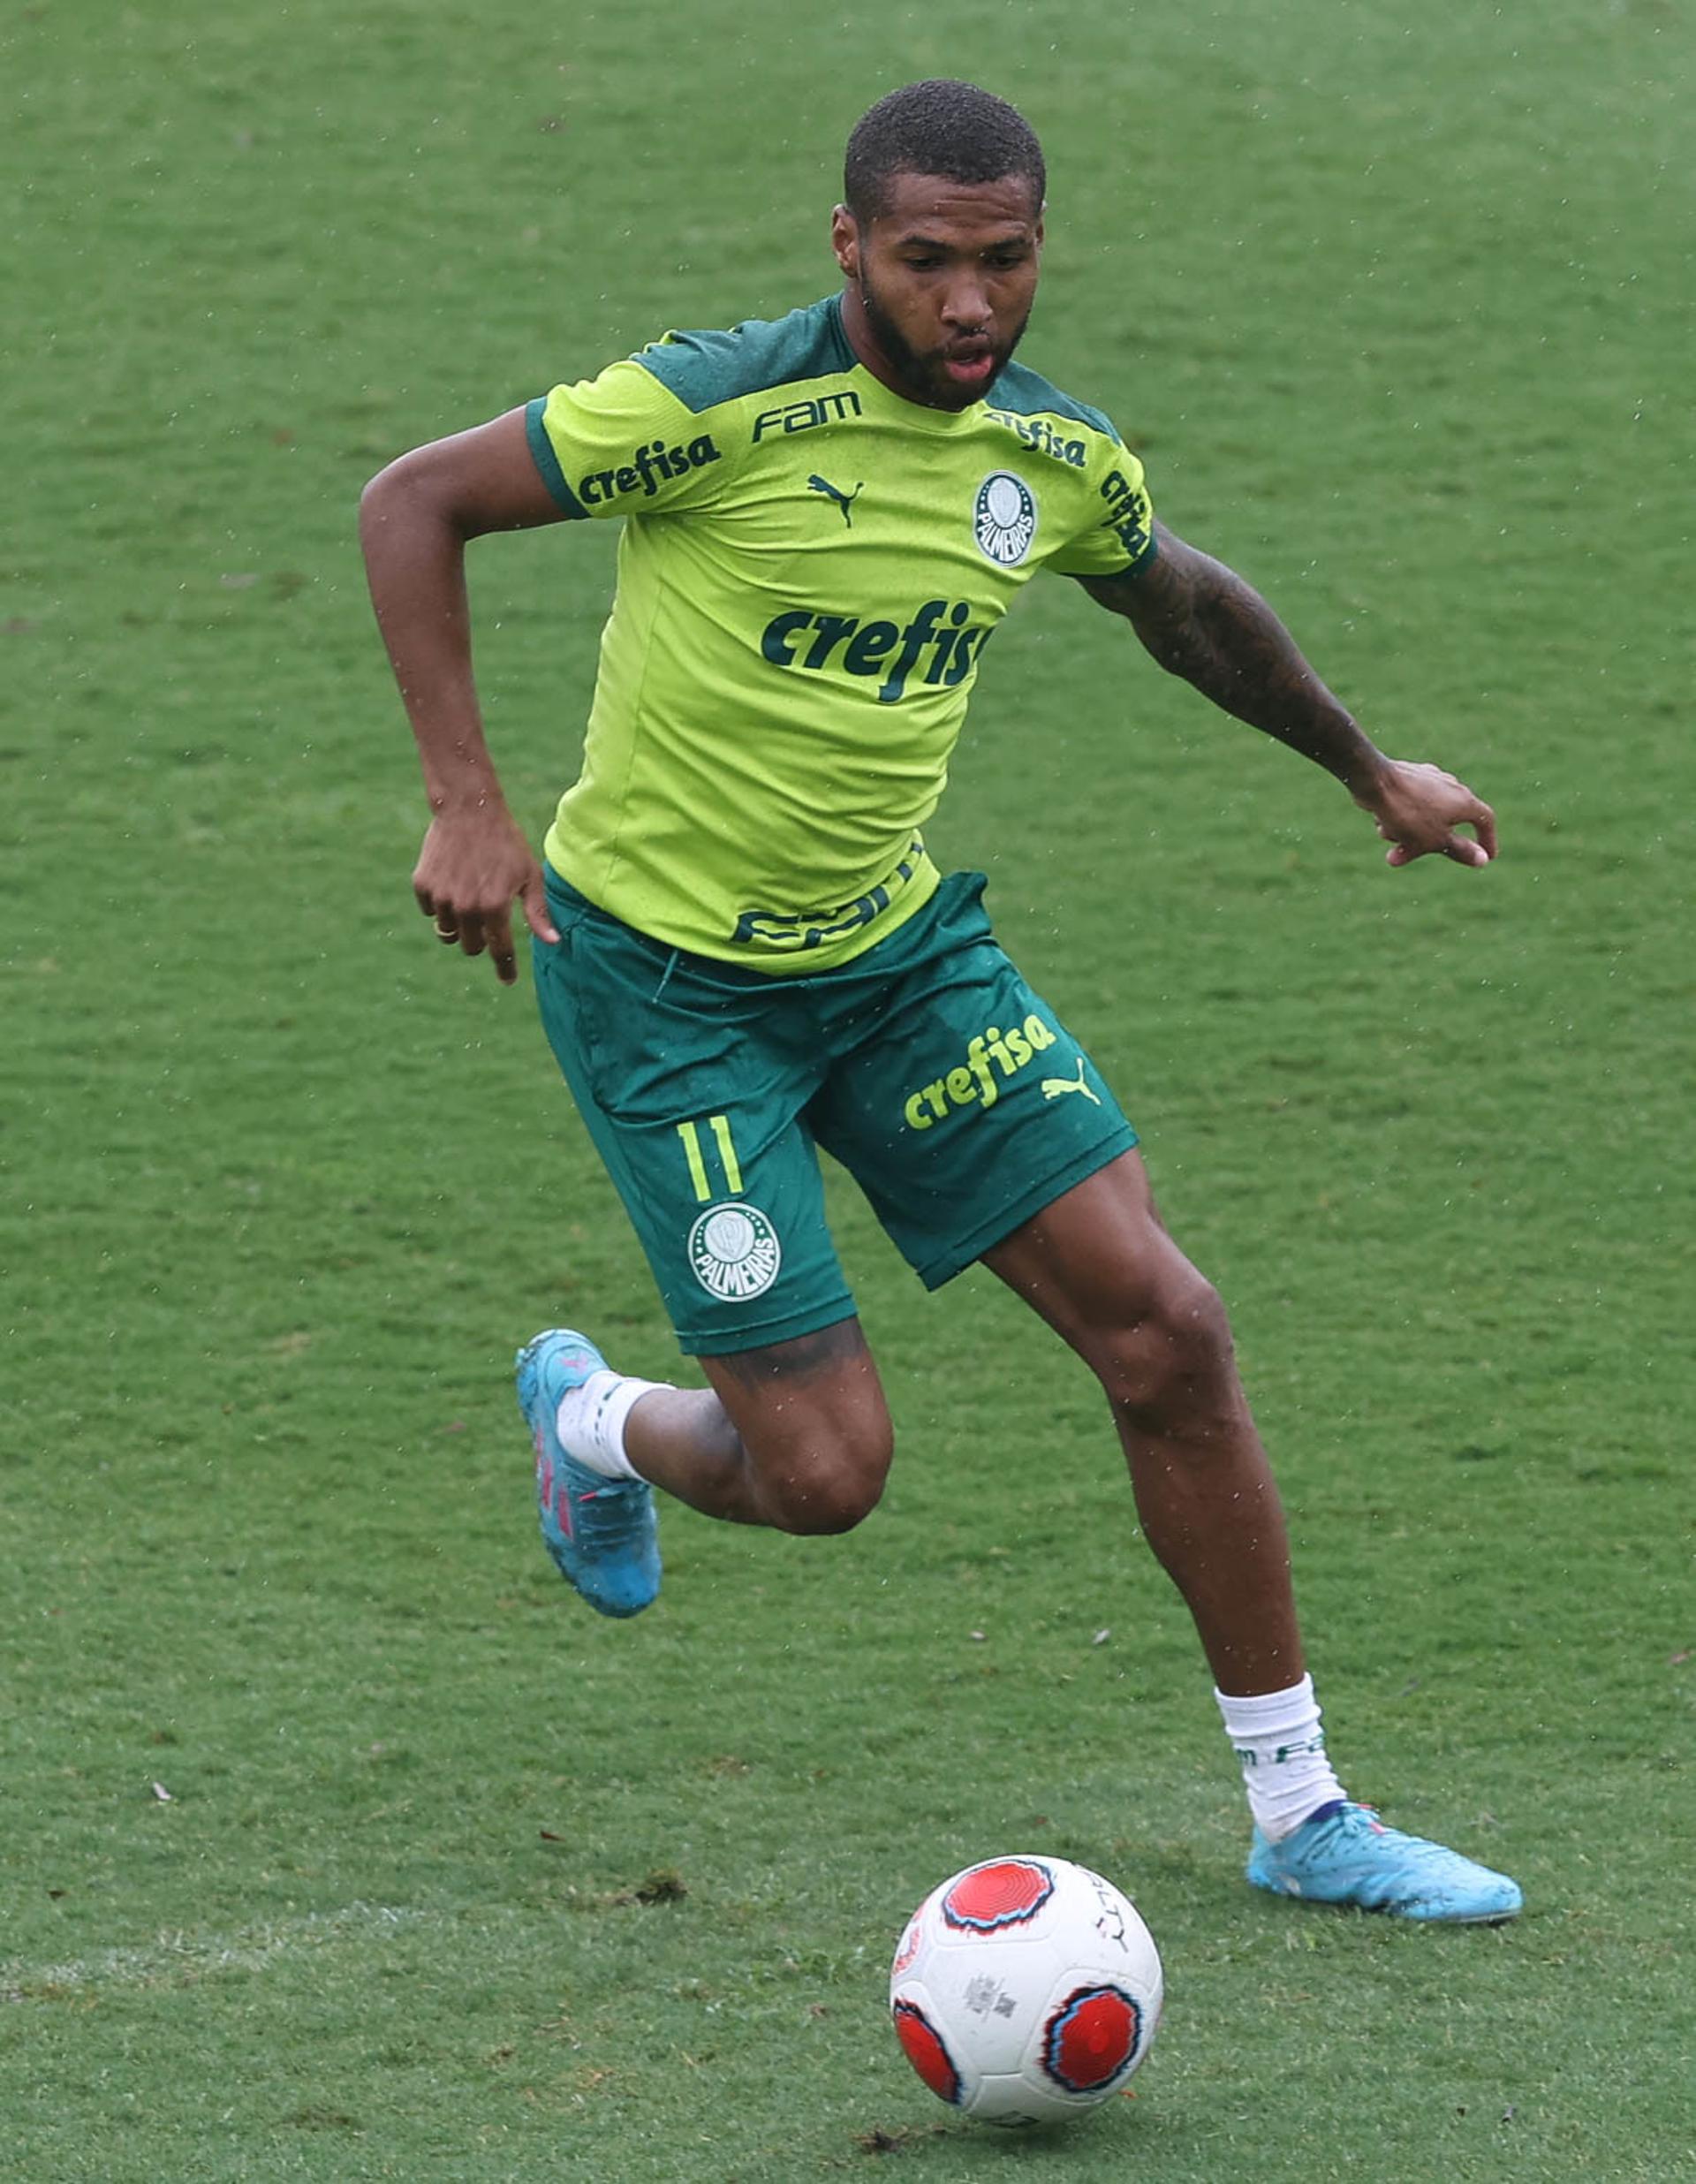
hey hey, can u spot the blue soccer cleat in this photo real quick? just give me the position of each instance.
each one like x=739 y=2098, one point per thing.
x=1345 y=1853
x=599 y=1531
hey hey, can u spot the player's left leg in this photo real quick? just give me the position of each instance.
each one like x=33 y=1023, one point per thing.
x=1099 y=1267
x=979 y=1129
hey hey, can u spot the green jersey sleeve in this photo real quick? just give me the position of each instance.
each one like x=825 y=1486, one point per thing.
x=1117 y=534
x=623 y=444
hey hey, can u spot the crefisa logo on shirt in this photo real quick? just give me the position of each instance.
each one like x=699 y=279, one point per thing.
x=647 y=466
x=1128 y=512
x=735 y=1252
x=1003 y=520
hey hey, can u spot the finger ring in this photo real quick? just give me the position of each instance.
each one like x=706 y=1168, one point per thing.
x=448 y=933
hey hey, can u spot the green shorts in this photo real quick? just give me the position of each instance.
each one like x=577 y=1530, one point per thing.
x=951 y=1093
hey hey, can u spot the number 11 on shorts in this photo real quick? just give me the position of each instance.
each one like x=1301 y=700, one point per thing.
x=720 y=1126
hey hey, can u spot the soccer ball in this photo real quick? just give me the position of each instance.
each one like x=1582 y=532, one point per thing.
x=1025 y=1989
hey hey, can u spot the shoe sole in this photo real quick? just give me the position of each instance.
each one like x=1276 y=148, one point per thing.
x=1387 y=1910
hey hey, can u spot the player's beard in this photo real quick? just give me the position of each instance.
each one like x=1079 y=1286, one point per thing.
x=922 y=371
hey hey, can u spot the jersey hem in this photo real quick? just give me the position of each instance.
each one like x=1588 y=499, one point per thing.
x=1150 y=553
x=794 y=964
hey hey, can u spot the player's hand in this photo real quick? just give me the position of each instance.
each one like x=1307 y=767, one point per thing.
x=1418 y=809
x=473 y=866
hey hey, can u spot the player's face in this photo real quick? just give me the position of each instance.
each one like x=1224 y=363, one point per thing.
x=940 y=284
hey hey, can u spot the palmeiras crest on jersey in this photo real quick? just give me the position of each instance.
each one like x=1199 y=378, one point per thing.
x=1004 y=518
x=735 y=1252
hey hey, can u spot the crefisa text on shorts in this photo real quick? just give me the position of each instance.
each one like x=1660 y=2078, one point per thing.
x=974 y=1083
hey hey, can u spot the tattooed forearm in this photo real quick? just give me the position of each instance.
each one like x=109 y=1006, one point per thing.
x=1203 y=621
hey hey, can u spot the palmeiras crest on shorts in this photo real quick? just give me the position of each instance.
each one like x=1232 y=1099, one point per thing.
x=1003 y=520
x=735 y=1252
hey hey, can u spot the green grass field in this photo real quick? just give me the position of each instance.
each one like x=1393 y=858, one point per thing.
x=337 y=1840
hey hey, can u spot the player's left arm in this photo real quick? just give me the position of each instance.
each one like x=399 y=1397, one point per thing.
x=1203 y=621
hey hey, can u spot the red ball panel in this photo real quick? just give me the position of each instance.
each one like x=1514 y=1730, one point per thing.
x=925 y=2050
x=993 y=1897
x=1091 y=2037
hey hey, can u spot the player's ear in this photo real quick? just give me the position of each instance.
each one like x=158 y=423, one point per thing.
x=845 y=240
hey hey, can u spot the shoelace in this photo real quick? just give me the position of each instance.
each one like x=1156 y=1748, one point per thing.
x=1413 y=1848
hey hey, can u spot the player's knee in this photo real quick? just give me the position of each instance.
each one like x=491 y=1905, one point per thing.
x=828 y=1489
x=1175 y=1359
x=817 y=1508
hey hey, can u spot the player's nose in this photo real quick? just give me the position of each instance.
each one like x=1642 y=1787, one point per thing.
x=966 y=305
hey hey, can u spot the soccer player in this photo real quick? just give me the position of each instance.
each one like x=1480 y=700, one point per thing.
x=743 y=951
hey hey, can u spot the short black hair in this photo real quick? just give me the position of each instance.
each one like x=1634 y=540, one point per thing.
x=940 y=126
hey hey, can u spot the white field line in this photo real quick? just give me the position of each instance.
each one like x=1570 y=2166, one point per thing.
x=173 y=1956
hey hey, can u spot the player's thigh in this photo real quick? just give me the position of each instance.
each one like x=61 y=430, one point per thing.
x=812 y=1417
x=969 y=1106
x=1100 y=1266
x=1098 y=1254
x=693 y=1095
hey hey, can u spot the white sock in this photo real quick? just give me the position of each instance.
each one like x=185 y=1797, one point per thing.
x=591 y=1421
x=1277 y=1738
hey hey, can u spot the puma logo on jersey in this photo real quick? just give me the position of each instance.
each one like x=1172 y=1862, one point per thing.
x=1053 y=1088
x=844 y=501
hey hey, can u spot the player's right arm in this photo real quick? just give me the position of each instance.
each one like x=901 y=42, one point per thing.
x=415 y=519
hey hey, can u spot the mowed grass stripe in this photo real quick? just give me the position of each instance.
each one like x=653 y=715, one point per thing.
x=183 y=1956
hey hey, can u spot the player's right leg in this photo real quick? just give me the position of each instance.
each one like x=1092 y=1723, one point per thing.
x=799 y=1440
x=795 y=1434
x=694 y=1080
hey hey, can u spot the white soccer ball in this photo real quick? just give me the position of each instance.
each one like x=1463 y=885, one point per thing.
x=1026 y=1989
